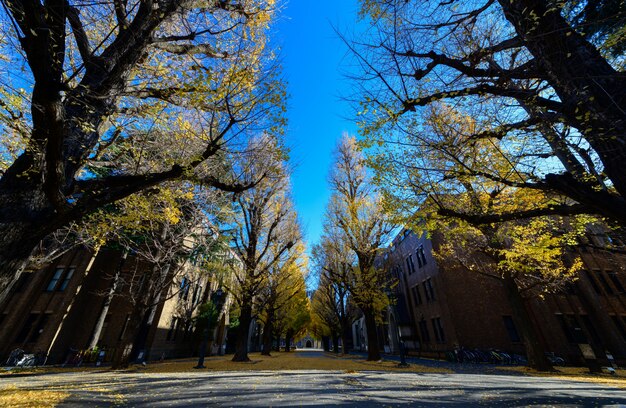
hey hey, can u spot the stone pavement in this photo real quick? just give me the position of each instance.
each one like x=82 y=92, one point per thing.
x=317 y=389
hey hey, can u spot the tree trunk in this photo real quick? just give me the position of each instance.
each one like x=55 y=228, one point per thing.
x=243 y=332
x=95 y=336
x=267 y=338
x=534 y=348
x=276 y=336
x=346 y=336
x=344 y=343
x=336 y=343
x=373 y=350
x=580 y=76
x=326 y=343
x=288 y=336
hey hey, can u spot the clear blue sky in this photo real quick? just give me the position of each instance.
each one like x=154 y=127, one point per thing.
x=314 y=60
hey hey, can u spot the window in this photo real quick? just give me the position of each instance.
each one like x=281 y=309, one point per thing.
x=419 y=259
x=616 y=282
x=410 y=265
x=592 y=281
x=420 y=255
x=509 y=324
x=428 y=289
x=438 y=329
x=424 y=331
x=185 y=284
x=55 y=280
x=58 y=274
x=66 y=279
x=416 y=295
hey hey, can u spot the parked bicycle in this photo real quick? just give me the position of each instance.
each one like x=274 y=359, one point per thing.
x=15 y=356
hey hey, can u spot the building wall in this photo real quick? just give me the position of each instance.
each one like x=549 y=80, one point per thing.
x=471 y=310
x=61 y=320
x=31 y=314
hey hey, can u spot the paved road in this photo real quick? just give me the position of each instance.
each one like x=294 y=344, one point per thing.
x=319 y=388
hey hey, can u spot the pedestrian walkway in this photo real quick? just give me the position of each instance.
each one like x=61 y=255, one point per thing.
x=466 y=368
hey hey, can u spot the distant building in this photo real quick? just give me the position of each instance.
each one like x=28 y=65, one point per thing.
x=439 y=308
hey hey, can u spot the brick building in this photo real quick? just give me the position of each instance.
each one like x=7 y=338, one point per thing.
x=79 y=301
x=439 y=308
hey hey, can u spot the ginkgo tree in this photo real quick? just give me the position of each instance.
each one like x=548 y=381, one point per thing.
x=331 y=302
x=192 y=78
x=294 y=317
x=172 y=248
x=283 y=283
x=542 y=80
x=355 y=220
x=426 y=185
x=264 y=232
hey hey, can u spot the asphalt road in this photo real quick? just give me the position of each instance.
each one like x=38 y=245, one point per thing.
x=319 y=388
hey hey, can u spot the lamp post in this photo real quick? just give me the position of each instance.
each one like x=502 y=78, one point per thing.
x=216 y=299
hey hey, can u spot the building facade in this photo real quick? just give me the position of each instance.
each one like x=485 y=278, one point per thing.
x=84 y=301
x=439 y=308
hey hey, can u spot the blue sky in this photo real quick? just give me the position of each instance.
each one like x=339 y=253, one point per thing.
x=314 y=60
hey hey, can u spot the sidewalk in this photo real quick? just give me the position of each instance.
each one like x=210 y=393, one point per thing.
x=463 y=368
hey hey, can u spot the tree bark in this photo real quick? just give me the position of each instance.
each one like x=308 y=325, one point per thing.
x=243 y=332
x=373 y=349
x=326 y=343
x=336 y=344
x=346 y=335
x=592 y=92
x=267 y=338
x=535 y=350
x=344 y=343
x=95 y=336
x=288 y=336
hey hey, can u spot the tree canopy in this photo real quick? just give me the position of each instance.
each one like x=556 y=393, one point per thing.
x=541 y=96
x=101 y=100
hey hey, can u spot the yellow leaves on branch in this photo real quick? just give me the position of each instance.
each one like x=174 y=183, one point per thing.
x=140 y=212
x=538 y=247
